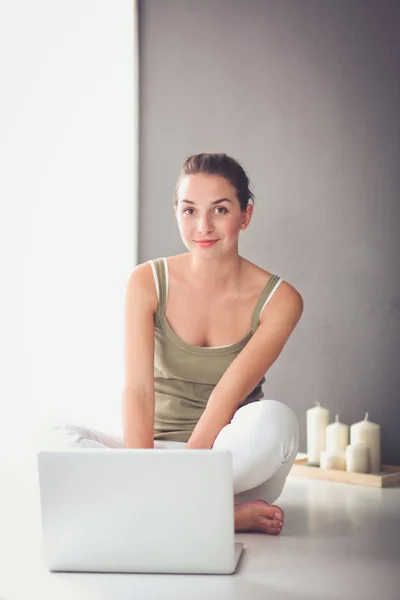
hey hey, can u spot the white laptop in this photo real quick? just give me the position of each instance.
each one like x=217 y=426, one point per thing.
x=138 y=510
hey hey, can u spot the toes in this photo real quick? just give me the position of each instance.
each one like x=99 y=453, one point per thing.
x=271 y=526
x=278 y=513
x=269 y=510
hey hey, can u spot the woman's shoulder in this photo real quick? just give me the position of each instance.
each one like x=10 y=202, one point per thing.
x=285 y=295
x=143 y=272
x=253 y=273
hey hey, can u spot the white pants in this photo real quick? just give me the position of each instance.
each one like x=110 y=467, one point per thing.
x=263 y=438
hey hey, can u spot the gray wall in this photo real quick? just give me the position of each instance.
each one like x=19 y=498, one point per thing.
x=305 y=94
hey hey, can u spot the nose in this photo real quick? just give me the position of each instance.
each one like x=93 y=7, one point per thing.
x=204 y=225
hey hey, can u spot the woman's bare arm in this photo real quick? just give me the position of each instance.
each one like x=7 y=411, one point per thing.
x=138 y=395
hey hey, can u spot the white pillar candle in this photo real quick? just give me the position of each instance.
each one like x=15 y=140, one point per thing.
x=357 y=458
x=337 y=435
x=369 y=433
x=333 y=459
x=317 y=421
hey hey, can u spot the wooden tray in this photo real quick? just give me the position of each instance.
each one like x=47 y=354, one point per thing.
x=389 y=476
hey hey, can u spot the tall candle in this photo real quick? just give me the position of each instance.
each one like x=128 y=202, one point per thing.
x=337 y=435
x=317 y=421
x=369 y=433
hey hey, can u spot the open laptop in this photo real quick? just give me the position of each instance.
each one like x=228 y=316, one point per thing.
x=138 y=510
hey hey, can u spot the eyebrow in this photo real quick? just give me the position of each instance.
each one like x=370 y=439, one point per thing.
x=215 y=201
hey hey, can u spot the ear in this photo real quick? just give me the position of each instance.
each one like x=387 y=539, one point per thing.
x=246 y=216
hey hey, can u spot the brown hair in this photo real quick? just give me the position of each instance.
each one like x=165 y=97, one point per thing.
x=218 y=164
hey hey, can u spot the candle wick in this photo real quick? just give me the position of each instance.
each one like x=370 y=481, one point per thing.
x=337 y=418
x=366 y=416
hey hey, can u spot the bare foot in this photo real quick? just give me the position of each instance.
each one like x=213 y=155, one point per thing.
x=258 y=515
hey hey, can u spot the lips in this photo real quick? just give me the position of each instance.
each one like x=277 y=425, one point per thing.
x=207 y=243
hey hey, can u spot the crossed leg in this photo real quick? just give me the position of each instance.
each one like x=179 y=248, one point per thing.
x=263 y=439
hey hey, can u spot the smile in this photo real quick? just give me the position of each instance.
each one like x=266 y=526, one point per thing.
x=206 y=244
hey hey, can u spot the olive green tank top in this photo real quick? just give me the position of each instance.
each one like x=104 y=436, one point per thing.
x=185 y=375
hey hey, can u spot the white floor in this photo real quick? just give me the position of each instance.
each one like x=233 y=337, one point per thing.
x=340 y=541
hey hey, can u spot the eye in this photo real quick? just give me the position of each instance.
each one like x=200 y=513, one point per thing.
x=218 y=208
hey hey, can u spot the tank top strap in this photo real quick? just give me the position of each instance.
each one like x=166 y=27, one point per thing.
x=161 y=285
x=267 y=293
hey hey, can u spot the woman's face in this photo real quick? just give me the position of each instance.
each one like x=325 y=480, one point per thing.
x=209 y=209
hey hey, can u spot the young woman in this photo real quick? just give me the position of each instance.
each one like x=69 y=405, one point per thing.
x=202 y=329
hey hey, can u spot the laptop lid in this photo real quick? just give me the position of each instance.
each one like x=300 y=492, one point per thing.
x=138 y=510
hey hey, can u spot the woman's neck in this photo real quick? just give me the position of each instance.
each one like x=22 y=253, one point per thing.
x=217 y=274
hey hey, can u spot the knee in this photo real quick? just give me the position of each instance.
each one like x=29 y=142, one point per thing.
x=63 y=426
x=277 y=421
x=271 y=430
x=267 y=415
x=261 y=436
x=59 y=434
